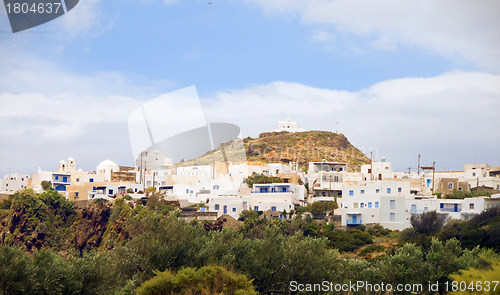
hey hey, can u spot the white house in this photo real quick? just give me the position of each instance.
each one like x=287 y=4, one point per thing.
x=14 y=182
x=379 y=202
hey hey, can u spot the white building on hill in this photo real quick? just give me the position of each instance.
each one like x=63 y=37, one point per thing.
x=288 y=126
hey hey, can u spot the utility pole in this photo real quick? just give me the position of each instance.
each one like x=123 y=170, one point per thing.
x=409 y=170
x=433 y=172
x=418 y=171
x=140 y=177
x=154 y=174
x=371 y=165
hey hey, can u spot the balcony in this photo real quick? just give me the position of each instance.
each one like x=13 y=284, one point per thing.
x=353 y=222
x=451 y=209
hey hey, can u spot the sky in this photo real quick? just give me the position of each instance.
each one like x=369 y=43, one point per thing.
x=401 y=78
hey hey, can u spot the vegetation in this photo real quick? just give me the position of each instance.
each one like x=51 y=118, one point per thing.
x=206 y=280
x=261 y=178
x=49 y=247
x=457 y=194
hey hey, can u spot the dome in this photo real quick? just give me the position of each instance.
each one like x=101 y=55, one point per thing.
x=107 y=162
x=71 y=159
x=62 y=162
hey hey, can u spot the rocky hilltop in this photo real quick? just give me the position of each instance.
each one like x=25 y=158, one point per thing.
x=285 y=147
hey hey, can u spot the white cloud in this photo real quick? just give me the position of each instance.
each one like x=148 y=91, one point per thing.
x=451 y=28
x=83 y=17
x=322 y=36
x=48 y=112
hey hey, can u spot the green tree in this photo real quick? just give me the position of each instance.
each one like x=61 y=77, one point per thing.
x=16 y=271
x=210 y=279
x=46 y=185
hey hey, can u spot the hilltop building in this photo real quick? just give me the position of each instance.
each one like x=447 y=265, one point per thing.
x=288 y=126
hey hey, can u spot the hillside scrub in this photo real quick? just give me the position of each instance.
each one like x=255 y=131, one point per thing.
x=115 y=249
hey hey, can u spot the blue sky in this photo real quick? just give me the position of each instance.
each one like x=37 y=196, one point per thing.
x=315 y=62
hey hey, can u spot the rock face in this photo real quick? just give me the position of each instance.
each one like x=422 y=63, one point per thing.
x=32 y=231
x=91 y=226
x=15 y=231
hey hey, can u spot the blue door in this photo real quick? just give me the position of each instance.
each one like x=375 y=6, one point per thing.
x=413 y=208
x=354 y=219
x=225 y=209
x=455 y=208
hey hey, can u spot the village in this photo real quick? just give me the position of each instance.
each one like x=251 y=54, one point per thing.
x=373 y=195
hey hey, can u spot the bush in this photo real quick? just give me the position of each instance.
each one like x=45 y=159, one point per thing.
x=261 y=178
x=348 y=241
x=206 y=280
x=372 y=249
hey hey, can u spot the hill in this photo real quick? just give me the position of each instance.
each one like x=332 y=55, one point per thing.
x=285 y=147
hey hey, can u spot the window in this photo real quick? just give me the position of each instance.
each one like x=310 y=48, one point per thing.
x=388 y=190
x=393 y=204
x=362 y=191
x=392 y=217
x=426 y=209
x=234 y=209
x=376 y=204
x=450 y=185
x=471 y=206
x=355 y=205
x=65 y=179
x=91 y=180
x=216 y=206
x=341 y=169
x=369 y=204
x=441 y=205
x=244 y=205
x=76 y=195
x=400 y=189
x=362 y=205
x=256 y=208
x=57 y=177
x=273 y=209
x=110 y=191
x=336 y=179
x=377 y=190
x=216 y=187
x=351 y=193
x=187 y=191
x=78 y=180
x=473 y=173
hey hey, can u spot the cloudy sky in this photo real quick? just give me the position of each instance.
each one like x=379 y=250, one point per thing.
x=400 y=77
